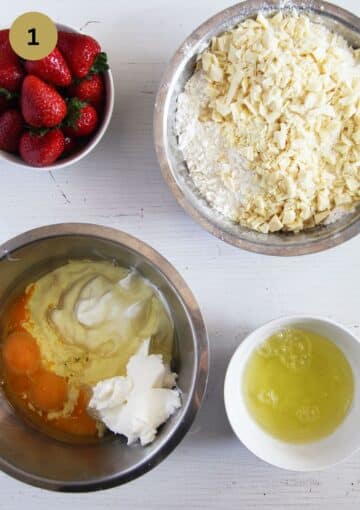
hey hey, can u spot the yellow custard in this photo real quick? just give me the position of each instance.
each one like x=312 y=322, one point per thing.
x=298 y=386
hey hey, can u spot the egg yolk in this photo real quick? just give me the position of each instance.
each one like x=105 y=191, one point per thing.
x=48 y=391
x=79 y=422
x=18 y=313
x=19 y=384
x=21 y=353
x=29 y=383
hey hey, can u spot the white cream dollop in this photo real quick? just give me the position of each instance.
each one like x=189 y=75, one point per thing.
x=136 y=405
x=105 y=306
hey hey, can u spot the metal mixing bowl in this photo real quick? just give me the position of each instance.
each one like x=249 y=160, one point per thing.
x=38 y=459
x=171 y=159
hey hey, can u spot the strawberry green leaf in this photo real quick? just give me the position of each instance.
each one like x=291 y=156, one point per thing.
x=77 y=81
x=100 y=64
x=38 y=131
x=7 y=94
x=74 y=107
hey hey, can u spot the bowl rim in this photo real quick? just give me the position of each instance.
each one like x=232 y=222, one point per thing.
x=251 y=341
x=160 y=117
x=201 y=349
x=15 y=159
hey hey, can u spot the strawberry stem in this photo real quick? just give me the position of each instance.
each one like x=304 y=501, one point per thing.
x=41 y=131
x=100 y=64
x=74 y=107
x=7 y=94
x=77 y=81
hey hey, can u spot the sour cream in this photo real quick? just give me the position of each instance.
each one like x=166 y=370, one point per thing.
x=90 y=317
x=137 y=404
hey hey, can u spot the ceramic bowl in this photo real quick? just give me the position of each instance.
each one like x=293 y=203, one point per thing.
x=311 y=456
x=15 y=159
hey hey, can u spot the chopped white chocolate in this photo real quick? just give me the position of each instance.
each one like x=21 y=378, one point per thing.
x=275 y=224
x=284 y=93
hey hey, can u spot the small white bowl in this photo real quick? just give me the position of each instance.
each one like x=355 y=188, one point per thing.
x=15 y=159
x=312 y=456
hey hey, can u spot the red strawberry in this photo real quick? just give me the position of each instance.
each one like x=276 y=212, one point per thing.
x=52 y=69
x=5 y=45
x=42 y=150
x=79 y=51
x=11 y=128
x=90 y=89
x=81 y=120
x=11 y=73
x=4 y=36
x=41 y=104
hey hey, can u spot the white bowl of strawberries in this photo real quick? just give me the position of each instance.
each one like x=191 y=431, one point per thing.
x=54 y=111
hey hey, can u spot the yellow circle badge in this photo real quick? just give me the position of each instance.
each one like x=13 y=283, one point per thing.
x=33 y=36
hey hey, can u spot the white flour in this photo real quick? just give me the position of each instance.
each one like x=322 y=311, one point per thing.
x=267 y=124
x=208 y=160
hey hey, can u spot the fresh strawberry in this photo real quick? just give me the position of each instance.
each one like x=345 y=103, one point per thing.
x=41 y=149
x=71 y=145
x=79 y=51
x=81 y=120
x=11 y=128
x=11 y=73
x=52 y=69
x=41 y=104
x=90 y=89
x=4 y=37
x=5 y=45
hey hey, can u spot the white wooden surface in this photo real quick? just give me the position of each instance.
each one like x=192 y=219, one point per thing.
x=120 y=185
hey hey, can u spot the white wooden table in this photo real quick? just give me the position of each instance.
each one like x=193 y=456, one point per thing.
x=120 y=185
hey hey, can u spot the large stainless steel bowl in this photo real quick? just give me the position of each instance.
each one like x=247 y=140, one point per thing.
x=40 y=460
x=171 y=159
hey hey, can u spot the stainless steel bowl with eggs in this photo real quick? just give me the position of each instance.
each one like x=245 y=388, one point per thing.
x=103 y=357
